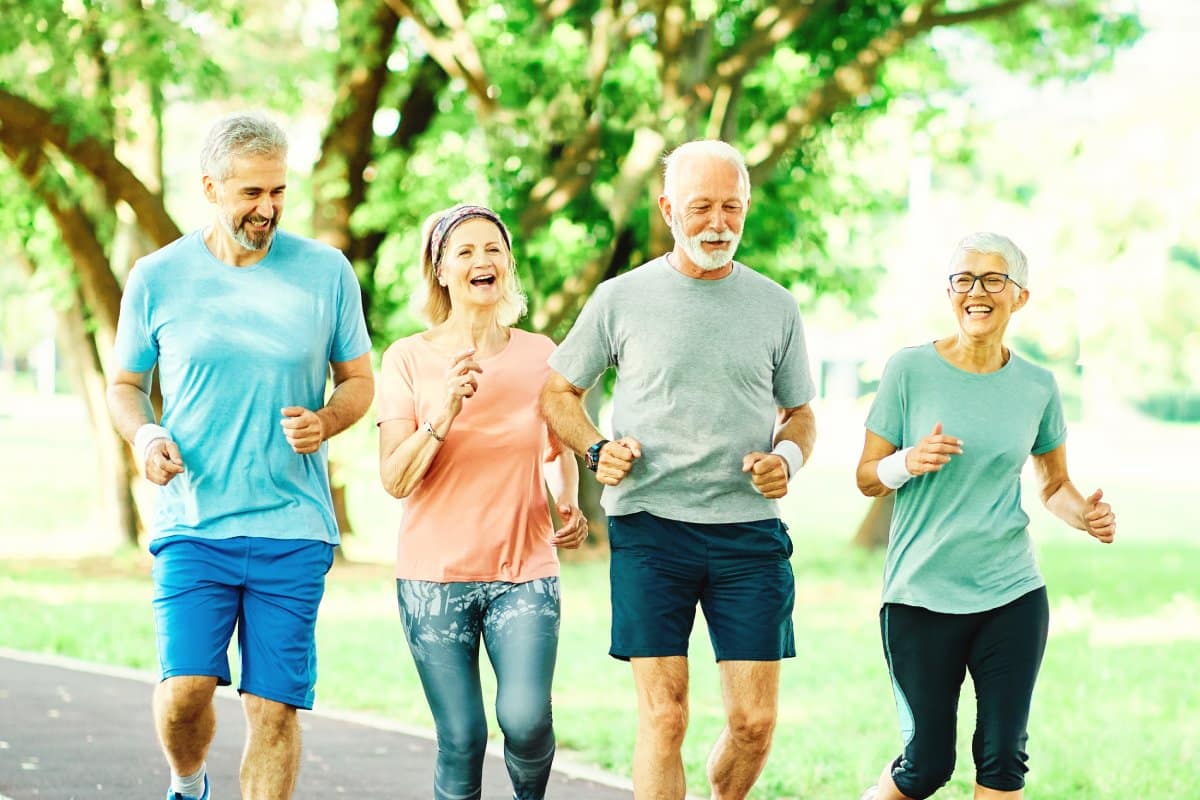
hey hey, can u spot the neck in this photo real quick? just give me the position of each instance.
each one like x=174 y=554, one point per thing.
x=226 y=249
x=975 y=355
x=679 y=261
x=475 y=328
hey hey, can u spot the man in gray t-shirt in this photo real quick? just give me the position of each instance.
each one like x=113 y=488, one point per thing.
x=710 y=421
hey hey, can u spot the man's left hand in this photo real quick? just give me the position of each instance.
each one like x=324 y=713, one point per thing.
x=303 y=429
x=768 y=473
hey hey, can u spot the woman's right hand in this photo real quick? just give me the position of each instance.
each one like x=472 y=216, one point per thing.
x=460 y=380
x=933 y=452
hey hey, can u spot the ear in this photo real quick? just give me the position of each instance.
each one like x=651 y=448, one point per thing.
x=664 y=207
x=210 y=188
x=1022 y=299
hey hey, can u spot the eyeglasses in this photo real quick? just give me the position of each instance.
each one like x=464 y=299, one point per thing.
x=993 y=282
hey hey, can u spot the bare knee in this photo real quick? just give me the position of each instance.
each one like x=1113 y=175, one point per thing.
x=184 y=698
x=753 y=728
x=269 y=719
x=667 y=719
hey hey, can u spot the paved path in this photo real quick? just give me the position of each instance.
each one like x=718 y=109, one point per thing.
x=70 y=731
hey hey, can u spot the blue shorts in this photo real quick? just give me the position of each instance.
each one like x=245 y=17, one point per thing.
x=269 y=588
x=739 y=573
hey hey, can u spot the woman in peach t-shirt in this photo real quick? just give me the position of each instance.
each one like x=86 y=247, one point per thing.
x=463 y=443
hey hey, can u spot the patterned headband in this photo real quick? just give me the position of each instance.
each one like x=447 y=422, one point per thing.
x=452 y=219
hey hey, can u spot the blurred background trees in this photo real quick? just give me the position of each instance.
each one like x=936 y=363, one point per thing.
x=557 y=114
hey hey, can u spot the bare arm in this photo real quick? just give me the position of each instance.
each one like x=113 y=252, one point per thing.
x=769 y=472
x=562 y=406
x=1064 y=501
x=563 y=479
x=130 y=408
x=353 y=388
x=799 y=426
x=875 y=449
x=129 y=403
x=405 y=450
x=928 y=455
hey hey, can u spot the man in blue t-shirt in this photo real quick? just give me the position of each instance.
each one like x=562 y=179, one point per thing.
x=244 y=323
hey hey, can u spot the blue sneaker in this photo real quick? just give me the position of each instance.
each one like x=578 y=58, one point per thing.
x=171 y=795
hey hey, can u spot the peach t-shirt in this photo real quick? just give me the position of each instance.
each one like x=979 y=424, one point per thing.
x=481 y=512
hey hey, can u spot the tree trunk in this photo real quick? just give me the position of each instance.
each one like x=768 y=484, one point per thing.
x=875 y=528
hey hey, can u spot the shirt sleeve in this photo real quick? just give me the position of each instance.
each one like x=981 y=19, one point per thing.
x=886 y=417
x=396 y=398
x=587 y=351
x=1052 y=431
x=793 y=382
x=136 y=347
x=350 y=339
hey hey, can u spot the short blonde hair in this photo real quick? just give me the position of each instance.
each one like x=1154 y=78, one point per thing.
x=435 y=232
x=994 y=244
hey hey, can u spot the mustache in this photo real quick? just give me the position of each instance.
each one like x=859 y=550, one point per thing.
x=713 y=236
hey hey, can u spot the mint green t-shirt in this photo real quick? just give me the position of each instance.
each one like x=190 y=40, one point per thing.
x=959 y=538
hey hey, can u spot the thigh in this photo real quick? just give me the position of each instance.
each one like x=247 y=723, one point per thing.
x=197 y=597
x=750 y=690
x=1004 y=662
x=662 y=688
x=926 y=654
x=285 y=580
x=520 y=631
x=443 y=623
x=751 y=592
x=656 y=576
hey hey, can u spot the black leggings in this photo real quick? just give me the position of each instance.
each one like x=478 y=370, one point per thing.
x=928 y=655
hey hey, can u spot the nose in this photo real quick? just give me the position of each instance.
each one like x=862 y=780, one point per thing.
x=976 y=287
x=265 y=208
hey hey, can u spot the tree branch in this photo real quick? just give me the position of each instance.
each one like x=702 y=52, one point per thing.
x=32 y=123
x=459 y=58
x=97 y=283
x=975 y=14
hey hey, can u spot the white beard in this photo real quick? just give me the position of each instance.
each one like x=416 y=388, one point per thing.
x=704 y=260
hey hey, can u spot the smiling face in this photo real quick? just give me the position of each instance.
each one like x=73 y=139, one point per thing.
x=706 y=211
x=983 y=316
x=475 y=264
x=249 y=203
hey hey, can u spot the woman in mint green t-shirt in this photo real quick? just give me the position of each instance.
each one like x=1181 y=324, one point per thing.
x=951 y=427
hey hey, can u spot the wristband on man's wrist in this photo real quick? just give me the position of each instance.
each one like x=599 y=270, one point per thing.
x=893 y=470
x=791 y=453
x=146 y=435
x=591 y=458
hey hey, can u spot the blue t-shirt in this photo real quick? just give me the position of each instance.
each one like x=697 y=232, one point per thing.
x=959 y=538
x=234 y=346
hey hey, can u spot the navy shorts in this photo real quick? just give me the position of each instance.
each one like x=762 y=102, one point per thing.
x=738 y=572
x=268 y=588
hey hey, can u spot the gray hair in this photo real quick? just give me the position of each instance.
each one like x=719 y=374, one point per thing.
x=994 y=244
x=240 y=134
x=708 y=147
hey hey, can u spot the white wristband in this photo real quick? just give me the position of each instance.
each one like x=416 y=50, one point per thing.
x=893 y=471
x=790 y=452
x=147 y=434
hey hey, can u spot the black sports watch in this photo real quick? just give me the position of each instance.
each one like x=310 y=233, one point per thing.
x=592 y=457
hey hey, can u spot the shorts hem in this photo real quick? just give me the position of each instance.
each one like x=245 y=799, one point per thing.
x=753 y=656
x=201 y=672
x=626 y=655
x=301 y=702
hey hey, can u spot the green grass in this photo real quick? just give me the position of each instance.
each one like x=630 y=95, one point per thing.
x=1116 y=713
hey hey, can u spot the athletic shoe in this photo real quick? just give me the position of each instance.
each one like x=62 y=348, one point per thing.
x=871 y=793
x=203 y=795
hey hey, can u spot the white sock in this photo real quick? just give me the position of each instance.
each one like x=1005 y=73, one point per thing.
x=189 y=785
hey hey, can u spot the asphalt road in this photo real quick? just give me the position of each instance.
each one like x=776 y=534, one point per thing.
x=70 y=731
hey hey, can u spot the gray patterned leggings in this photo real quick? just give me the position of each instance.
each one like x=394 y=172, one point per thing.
x=518 y=624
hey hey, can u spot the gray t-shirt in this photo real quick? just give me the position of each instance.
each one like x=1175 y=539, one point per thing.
x=702 y=367
x=959 y=540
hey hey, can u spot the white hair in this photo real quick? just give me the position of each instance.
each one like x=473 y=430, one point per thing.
x=240 y=134
x=994 y=244
x=709 y=147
